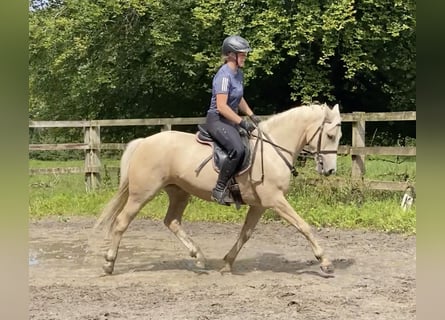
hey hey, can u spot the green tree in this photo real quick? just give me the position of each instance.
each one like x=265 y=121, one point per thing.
x=156 y=58
x=102 y=59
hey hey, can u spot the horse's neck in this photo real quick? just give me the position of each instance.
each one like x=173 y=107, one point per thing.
x=288 y=129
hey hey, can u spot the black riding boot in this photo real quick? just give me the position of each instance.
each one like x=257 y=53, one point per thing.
x=220 y=192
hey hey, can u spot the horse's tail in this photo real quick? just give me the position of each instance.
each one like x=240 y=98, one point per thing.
x=117 y=203
x=125 y=159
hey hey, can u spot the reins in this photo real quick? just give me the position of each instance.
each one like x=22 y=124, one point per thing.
x=276 y=147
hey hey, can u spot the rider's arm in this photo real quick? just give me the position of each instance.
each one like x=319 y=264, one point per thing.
x=225 y=110
x=244 y=107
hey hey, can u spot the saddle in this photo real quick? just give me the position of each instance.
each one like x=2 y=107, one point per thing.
x=219 y=155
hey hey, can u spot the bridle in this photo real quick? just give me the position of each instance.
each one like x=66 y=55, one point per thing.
x=317 y=154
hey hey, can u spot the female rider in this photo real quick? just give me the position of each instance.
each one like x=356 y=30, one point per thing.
x=222 y=119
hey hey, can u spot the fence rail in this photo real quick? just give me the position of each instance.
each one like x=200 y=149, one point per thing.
x=92 y=143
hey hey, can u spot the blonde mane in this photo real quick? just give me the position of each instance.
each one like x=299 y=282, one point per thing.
x=292 y=113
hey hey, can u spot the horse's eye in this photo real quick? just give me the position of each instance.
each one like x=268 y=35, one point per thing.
x=331 y=136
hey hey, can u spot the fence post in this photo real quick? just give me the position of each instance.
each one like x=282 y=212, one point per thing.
x=166 y=127
x=92 y=161
x=358 y=140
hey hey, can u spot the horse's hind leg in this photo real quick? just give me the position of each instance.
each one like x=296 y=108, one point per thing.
x=252 y=218
x=119 y=226
x=285 y=210
x=178 y=200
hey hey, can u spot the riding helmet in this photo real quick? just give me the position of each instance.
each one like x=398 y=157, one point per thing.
x=235 y=44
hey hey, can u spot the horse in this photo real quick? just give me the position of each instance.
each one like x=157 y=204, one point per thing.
x=168 y=161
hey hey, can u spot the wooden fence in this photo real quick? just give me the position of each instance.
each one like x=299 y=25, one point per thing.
x=92 y=144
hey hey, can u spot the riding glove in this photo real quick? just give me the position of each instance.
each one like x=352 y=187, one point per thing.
x=248 y=126
x=255 y=119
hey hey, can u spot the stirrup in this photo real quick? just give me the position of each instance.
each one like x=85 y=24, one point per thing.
x=221 y=197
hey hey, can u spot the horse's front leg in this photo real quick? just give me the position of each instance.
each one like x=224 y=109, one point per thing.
x=252 y=218
x=194 y=250
x=285 y=210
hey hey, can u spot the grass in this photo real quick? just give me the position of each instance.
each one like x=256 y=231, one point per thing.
x=325 y=203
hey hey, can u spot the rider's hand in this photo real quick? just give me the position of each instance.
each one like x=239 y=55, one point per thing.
x=255 y=119
x=248 y=126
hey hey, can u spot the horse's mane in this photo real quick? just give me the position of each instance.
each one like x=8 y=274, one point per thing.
x=293 y=112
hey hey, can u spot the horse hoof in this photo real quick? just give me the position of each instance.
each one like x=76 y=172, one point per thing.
x=226 y=269
x=327 y=268
x=108 y=268
x=200 y=264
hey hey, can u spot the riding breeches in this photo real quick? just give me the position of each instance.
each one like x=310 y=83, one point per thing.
x=227 y=135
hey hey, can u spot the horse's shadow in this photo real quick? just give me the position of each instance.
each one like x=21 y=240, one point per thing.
x=266 y=262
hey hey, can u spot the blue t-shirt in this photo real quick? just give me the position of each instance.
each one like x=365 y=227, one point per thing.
x=230 y=82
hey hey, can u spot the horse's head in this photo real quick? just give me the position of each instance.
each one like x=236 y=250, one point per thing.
x=325 y=140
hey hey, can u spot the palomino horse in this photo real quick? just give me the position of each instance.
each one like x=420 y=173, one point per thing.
x=168 y=161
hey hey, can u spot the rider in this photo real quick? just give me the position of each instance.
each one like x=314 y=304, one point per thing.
x=222 y=120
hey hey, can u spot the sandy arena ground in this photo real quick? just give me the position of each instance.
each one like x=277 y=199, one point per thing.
x=275 y=276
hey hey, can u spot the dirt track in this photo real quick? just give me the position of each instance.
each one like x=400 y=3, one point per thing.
x=276 y=275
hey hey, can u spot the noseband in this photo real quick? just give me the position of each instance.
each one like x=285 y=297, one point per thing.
x=317 y=154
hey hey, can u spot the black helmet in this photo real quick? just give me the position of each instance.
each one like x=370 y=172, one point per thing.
x=235 y=44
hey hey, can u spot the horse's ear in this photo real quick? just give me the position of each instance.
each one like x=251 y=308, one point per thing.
x=335 y=108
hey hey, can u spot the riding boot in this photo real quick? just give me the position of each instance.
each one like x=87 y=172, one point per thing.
x=220 y=193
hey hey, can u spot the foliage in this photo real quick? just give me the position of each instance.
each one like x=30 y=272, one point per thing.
x=155 y=58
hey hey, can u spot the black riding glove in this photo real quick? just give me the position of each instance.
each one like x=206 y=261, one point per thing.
x=248 y=126
x=255 y=119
